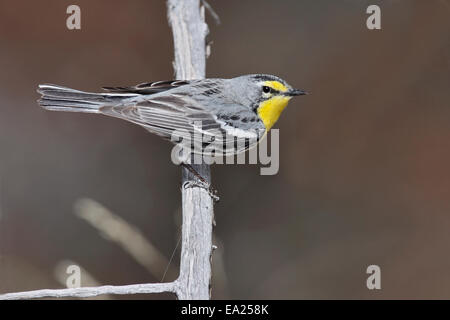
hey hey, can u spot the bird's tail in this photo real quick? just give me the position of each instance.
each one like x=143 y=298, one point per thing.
x=59 y=98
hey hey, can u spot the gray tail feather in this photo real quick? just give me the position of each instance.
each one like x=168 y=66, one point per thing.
x=59 y=98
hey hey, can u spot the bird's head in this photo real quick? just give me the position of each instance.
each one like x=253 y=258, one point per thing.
x=269 y=94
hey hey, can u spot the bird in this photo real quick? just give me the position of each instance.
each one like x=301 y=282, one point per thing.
x=210 y=110
x=211 y=116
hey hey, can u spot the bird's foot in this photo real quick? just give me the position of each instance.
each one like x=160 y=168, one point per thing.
x=200 y=182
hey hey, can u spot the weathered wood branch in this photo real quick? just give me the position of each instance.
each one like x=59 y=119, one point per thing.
x=189 y=33
x=187 y=20
x=85 y=292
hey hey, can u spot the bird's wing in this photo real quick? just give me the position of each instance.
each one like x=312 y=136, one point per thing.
x=180 y=116
x=148 y=87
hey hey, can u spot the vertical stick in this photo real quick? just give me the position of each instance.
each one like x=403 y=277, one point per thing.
x=189 y=32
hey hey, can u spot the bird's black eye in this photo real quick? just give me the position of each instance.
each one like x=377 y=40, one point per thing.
x=266 y=89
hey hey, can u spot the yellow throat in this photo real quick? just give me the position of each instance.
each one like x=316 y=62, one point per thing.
x=270 y=110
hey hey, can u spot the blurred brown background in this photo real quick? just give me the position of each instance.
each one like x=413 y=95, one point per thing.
x=364 y=167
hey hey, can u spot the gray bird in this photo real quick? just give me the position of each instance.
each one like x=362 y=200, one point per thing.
x=228 y=116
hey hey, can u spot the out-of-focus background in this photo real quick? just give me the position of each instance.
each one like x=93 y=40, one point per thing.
x=364 y=161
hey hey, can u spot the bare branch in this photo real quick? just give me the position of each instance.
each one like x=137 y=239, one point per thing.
x=187 y=19
x=189 y=29
x=85 y=292
x=127 y=236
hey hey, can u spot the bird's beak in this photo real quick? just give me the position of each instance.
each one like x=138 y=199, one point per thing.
x=295 y=92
